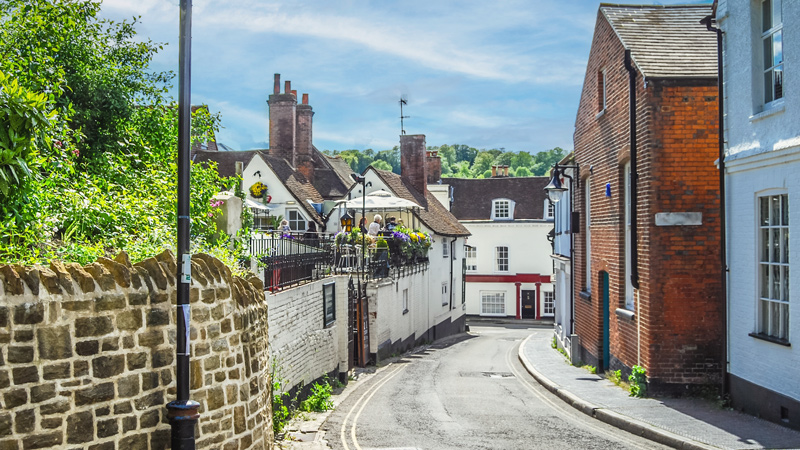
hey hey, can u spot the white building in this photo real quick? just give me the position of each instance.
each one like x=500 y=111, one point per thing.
x=507 y=267
x=762 y=167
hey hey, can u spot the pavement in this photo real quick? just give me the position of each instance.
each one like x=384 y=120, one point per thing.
x=683 y=423
x=677 y=422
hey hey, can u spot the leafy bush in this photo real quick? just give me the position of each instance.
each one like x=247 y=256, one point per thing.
x=319 y=400
x=638 y=381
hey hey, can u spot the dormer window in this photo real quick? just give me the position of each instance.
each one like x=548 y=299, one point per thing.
x=502 y=209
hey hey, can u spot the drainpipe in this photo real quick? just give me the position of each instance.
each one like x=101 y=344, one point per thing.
x=722 y=223
x=634 y=176
x=452 y=258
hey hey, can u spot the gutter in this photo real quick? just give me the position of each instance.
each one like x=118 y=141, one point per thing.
x=452 y=258
x=634 y=175
x=722 y=222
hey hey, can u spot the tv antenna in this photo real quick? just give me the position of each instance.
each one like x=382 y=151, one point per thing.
x=403 y=101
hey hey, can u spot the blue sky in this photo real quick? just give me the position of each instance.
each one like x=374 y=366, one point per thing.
x=502 y=74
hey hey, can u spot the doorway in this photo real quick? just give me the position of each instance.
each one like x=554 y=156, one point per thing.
x=528 y=304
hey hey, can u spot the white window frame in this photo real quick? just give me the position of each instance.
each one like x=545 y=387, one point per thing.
x=496 y=300
x=601 y=90
x=503 y=209
x=548 y=303
x=405 y=301
x=771 y=38
x=772 y=305
x=295 y=222
x=471 y=255
x=549 y=210
x=445 y=295
x=500 y=255
x=629 y=303
x=588 y=233
x=445 y=249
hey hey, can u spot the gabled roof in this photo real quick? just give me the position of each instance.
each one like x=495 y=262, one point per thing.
x=472 y=198
x=666 y=41
x=331 y=180
x=434 y=216
x=297 y=185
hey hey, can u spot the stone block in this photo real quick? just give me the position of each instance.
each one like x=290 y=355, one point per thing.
x=149 y=381
x=5 y=424
x=25 y=421
x=84 y=279
x=110 y=344
x=225 y=326
x=220 y=345
x=3 y=316
x=64 y=278
x=144 y=279
x=15 y=397
x=107 y=428
x=168 y=259
x=87 y=348
x=101 y=392
x=129 y=423
x=30 y=275
x=28 y=313
x=219 y=377
x=166 y=377
x=83 y=305
x=110 y=302
x=149 y=419
x=129 y=320
x=56 y=371
x=161 y=358
x=151 y=338
x=108 y=366
x=43 y=440
x=155 y=399
x=50 y=281
x=157 y=317
x=195 y=375
x=54 y=342
x=23 y=335
x=80 y=427
x=93 y=326
x=128 y=342
x=104 y=446
x=102 y=411
x=239 y=420
x=136 y=360
x=160 y=440
x=4 y=380
x=208 y=296
x=20 y=355
x=137 y=298
x=12 y=282
x=211 y=363
x=123 y=408
x=102 y=276
x=49 y=423
x=155 y=272
x=43 y=392
x=24 y=375
x=201 y=349
x=128 y=386
x=80 y=369
x=120 y=272
x=216 y=398
x=57 y=407
x=134 y=442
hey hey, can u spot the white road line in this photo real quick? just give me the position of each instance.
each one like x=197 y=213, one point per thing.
x=559 y=408
x=355 y=419
x=344 y=422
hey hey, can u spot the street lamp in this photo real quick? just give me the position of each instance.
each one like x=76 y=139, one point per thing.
x=555 y=190
x=362 y=181
x=346 y=221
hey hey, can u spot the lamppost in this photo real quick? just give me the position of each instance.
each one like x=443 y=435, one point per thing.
x=555 y=192
x=362 y=181
x=182 y=412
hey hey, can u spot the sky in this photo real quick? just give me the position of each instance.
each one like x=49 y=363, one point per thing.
x=504 y=74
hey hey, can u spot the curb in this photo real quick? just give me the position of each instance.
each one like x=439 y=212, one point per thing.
x=608 y=416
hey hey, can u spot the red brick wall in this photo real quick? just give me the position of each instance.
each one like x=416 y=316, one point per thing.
x=413 y=165
x=303 y=155
x=282 y=122
x=679 y=319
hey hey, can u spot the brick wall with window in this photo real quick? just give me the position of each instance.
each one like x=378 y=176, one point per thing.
x=679 y=303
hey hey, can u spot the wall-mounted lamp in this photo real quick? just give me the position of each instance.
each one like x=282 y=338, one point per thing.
x=555 y=189
x=347 y=222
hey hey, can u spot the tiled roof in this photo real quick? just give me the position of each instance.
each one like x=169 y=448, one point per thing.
x=666 y=41
x=472 y=198
x=435 y=216
x=294 y=181
x=330 y=179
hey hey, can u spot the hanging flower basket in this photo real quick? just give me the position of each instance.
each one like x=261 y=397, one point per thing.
x=258 y=189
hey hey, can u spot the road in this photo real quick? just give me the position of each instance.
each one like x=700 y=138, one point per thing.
x=466 y=392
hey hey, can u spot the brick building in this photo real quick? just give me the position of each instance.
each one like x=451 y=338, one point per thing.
x=649 y=293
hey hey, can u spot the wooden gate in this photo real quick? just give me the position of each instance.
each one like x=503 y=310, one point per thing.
x=358 y=320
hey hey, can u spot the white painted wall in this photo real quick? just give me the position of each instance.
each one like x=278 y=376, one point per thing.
x=282 y=199
x=763 y=155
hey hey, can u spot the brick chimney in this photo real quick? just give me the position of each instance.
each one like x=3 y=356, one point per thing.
x=304 y=155
x=282 y=121
x=412 y=161
x=433 y=165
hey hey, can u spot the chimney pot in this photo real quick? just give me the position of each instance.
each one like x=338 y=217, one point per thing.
x=494 y=171
x=287 y=87
x=277 y=88
x=305 y=99
x=294 y=92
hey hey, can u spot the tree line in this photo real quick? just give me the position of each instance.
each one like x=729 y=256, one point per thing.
x=460 y=161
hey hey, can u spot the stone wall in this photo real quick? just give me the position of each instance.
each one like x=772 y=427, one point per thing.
x=87 y=355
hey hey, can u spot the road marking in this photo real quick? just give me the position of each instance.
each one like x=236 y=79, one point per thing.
x=371 y=389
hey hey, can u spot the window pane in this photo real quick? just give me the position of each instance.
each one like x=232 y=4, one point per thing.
x=775 y=214
x=774 y=318
x=777 y=18
x=784 y=210
x=764 y=245
x=763 y=317
x=785 y=284
x=778 y=82
x=776 y=245
x=766 y=15
x=768 y=86
x=785 y=321
x=777 y=48
x=764 y=203
x=776 y=282
x=764 y=281
x=768 y=55
x=785 y=253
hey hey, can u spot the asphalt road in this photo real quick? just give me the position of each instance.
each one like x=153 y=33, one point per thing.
x=466 y=392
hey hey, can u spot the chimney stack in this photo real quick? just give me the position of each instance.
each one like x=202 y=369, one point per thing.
x=304 y=154
x=505 y=170
x=412 y=162
x=494 y=171
x=276 y=89
x=282 y=122
x=433 y=166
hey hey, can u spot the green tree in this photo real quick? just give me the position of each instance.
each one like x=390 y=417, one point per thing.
x=381 y=165
x=545 y=160
x=522 y=159
x=465 y=153
x=392 y=157
x=483 y=162
x=522 y=172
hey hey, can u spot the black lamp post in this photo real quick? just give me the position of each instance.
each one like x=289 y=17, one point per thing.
x=362 y=181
